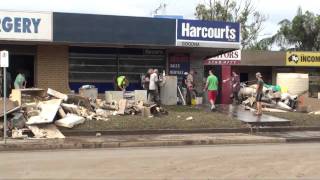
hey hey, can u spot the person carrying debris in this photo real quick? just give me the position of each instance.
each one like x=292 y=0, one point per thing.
x=212 y=87
x=184 y=86
x=259 y=95
x=235 y=81
x=122 y=83
x=153 y=87
x=146 y=81
x=20 y=81
x=190 y=87
x=235 y=86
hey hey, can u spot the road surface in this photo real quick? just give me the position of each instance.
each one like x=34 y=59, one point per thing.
x=277 y=161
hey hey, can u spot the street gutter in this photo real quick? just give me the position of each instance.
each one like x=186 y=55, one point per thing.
x=188 y=131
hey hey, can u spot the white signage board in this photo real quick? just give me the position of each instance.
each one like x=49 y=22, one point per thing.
x=26 y=26
x=4 y=59
x=229 y=58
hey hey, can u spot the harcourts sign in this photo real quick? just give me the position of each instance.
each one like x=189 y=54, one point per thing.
x=195 y=33
x=25 y=26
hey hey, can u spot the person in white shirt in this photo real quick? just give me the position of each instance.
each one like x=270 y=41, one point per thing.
x=153 y=87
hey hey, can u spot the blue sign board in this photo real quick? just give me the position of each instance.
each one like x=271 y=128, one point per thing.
x=198 y=33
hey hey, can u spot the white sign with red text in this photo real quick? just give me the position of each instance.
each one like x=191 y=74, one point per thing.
x=229 y=58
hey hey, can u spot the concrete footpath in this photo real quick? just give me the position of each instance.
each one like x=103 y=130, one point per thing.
x=110 y=141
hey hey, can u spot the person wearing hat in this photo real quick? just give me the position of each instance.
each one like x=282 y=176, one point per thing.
x=190 y=87
x=260 y=84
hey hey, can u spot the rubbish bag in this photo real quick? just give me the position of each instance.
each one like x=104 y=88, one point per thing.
x=275 y=88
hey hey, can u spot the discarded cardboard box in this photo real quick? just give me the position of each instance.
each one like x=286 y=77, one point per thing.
x=61 y=112
x=27 y=95
x=70 y=108
x=11 y=106
x=80 y=101
x=70 y=120
x=91 y=93
x=113 y=96
x=57 y=94
x=46 y=131
x=122 y=106
x=48 y=110
x=140 y=95
x=103 y=113
x=18 y=134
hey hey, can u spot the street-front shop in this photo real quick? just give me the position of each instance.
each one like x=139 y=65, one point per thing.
x=19 y=34
x=306 y=62
x=64 y=51
x=221 y=65
x=270 y=63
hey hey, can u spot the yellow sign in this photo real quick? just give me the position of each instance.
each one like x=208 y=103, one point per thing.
x=301 y=58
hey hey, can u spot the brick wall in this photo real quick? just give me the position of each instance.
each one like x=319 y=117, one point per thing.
x=52 y=67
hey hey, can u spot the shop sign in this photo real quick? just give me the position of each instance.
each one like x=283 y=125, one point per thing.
x=153 y=52
x=4 y=58
x=300 y=58
x=196 y=33
x=179 y=64
x=229 y=58
x=30 y=26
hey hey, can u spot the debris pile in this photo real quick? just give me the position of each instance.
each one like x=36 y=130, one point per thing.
x=273 y=99
x=41 y=117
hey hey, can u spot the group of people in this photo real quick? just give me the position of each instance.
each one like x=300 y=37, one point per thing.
x=212 y=85
x=235 y=82
x=150 y=83
x=152 y=80
x=188 y=87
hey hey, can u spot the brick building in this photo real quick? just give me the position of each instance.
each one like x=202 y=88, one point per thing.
x=64 y=51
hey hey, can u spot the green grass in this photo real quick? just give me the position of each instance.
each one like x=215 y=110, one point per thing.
x=176 y=119
x=299 y=119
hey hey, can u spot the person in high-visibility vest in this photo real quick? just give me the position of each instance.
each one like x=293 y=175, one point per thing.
x=122 y=83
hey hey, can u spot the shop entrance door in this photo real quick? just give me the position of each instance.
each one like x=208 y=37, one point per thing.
x=24 y=64
x=244 y=77
x=217 y=71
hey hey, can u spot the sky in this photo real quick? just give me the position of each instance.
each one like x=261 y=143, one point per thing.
x=275 y=10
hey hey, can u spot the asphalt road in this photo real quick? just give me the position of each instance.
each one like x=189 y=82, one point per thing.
x=278 y=161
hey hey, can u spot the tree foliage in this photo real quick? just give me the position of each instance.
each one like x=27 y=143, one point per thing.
x=243 y=12
x=301 y=33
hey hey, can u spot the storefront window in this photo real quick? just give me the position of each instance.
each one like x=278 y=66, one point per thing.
x=100 y=66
